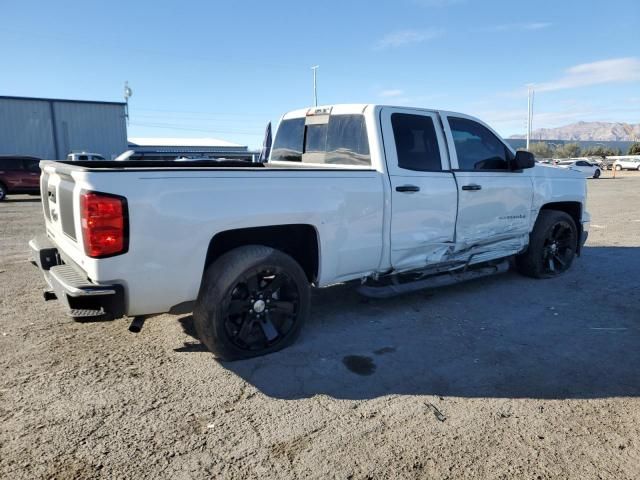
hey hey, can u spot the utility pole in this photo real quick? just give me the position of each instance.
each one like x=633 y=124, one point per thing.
x=530 y=96
x=315 y=85
x=127 y=93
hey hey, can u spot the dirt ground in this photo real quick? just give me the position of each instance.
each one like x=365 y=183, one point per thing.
x=507 y=377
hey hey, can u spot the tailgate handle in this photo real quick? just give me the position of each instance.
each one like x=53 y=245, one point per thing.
x=407 y=188
x=472 y=187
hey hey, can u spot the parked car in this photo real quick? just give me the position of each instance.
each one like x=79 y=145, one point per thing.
x=588 y=169
x=627 y=164
x=394 y=199
x=606 y=164
x=19 y=174
x=83 y=157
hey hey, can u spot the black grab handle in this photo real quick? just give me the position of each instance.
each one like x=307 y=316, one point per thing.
x=408 y=188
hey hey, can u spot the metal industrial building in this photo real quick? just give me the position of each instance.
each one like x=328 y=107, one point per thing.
x=51 y=128
x=170 y=148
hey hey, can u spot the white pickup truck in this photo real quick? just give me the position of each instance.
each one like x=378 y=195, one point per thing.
x=394 y=198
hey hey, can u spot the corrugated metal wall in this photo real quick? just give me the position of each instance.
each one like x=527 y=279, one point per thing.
x=26 y=128
x=96 y=128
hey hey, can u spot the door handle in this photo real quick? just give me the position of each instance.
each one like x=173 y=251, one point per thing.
x=407 y=188
x=472 y=186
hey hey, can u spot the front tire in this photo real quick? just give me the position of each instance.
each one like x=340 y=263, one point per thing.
x=552 y=246
x=3 y=192
x=618 y=167
x=253 y=301
x=596 y=174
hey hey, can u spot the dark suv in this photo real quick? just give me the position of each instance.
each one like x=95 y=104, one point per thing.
x=19 y=174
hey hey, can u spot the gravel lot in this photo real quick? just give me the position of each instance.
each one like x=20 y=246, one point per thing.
x=507 y=377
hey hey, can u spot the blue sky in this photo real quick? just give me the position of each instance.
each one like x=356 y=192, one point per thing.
x=223 y=69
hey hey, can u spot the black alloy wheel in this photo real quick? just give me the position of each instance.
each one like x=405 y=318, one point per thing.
x=253 y=300
x=558 y=249
x=261 y=309
x=553 y=244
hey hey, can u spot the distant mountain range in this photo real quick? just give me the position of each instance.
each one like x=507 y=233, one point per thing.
x=589 y=131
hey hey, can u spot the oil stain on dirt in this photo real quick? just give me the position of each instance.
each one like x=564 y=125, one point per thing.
x=359 y=364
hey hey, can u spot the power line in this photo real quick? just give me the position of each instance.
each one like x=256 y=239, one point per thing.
x=192 y=129
x=203 y=113
x=155 y=116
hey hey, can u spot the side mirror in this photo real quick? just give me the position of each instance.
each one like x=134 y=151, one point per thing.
x=523 y=160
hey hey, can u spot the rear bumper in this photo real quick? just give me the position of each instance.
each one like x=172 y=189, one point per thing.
x=82 y=298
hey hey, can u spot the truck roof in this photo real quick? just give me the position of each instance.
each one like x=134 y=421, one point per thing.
x=354 y=108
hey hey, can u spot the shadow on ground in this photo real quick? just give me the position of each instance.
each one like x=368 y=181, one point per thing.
x=577 y=336
x=22 y=200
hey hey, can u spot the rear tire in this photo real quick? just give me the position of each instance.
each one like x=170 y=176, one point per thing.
x=596 y=174
x=253 y=301
x=552 y=246
x=3 y=192
x=618 y=167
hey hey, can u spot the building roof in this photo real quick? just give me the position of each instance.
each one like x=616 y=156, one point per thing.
x=181 y=142
x=5 y=97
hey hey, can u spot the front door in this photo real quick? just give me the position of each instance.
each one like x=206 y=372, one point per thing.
x=423 y=189
x=494 y=201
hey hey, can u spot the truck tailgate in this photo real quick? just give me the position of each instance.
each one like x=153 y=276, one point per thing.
x=59 y=205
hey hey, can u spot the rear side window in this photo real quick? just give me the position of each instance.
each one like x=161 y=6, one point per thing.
x=287 y=145
x=416 y=142
x=341 y=141
x=477 y=147
x=83 y=157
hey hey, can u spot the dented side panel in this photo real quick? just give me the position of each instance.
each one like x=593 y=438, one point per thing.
x=500 y=209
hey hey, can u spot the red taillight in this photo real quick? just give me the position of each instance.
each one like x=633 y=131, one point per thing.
x=104 y=224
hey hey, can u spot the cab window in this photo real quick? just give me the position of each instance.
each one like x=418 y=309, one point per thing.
x=477 y=147
x=416 y=142
x=287 y=145
x=347 y=142
x=342 y=140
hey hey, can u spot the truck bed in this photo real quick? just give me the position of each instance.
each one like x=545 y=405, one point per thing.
x=144 y=165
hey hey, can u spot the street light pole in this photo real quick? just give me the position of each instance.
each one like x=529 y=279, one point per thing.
x=530 y=96
x=127 y=94
x=315 y=85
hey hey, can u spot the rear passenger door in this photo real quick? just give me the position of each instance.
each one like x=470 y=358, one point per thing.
x=423 y=189
x=494 y=201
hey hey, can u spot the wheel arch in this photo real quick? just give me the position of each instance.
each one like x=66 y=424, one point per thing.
x=574 y=210
x=299 y=241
